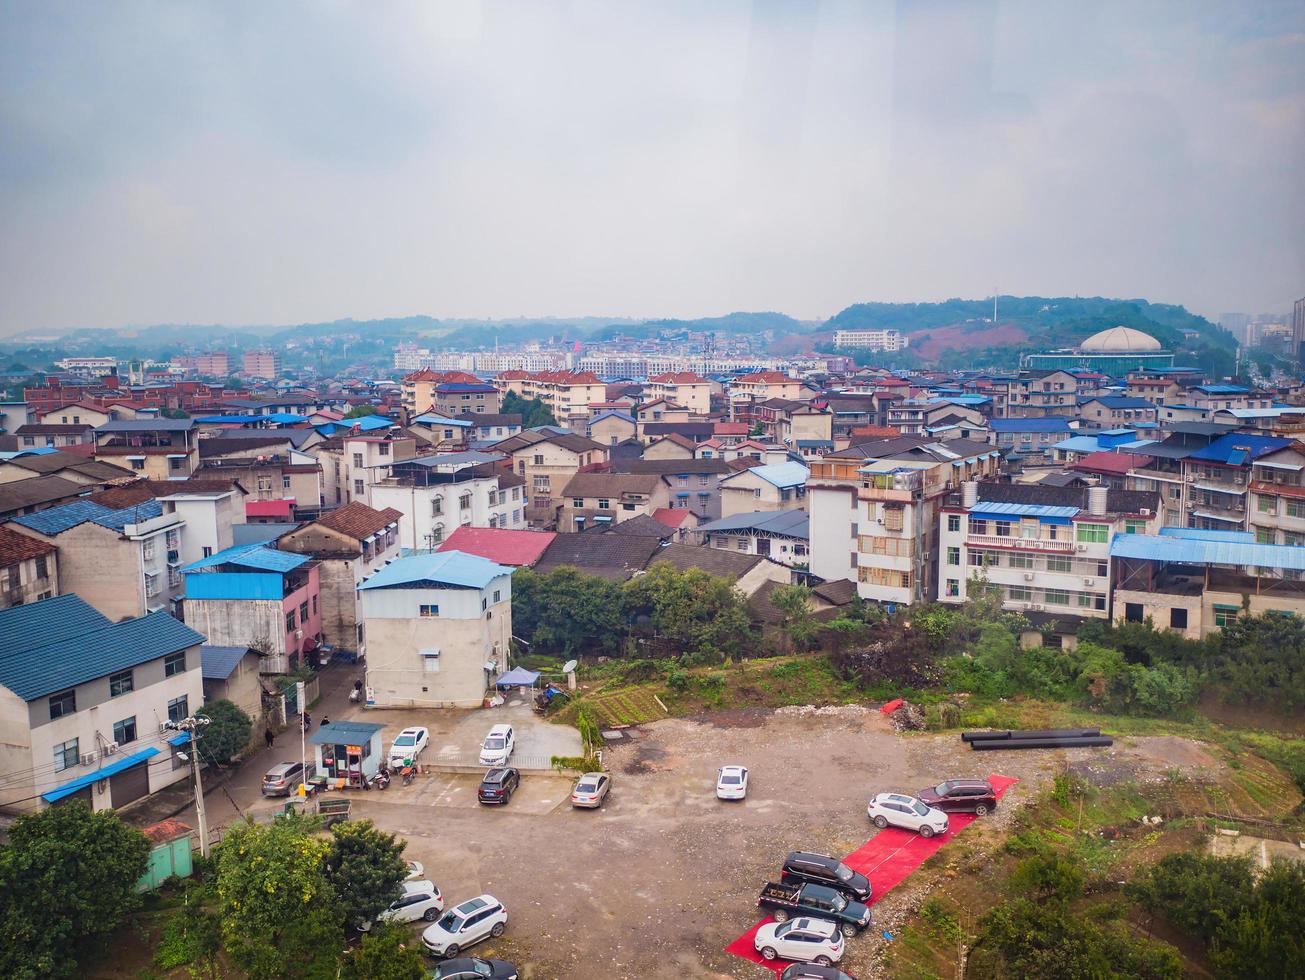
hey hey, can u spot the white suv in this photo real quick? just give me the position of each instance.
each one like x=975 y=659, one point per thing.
x=906 y=812
x=420 y=900
x=804 y=940
x=465 y=926
x=498 y=745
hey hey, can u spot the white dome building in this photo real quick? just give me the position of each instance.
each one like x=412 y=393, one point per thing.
x=1119 y=340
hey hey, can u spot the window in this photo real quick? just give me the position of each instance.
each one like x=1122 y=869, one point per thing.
x=604 y=503
x=42 y=569
x=1178 y=618
x=120 y=684
x=1134 y=527
x=978 y=527
x=1093 y=533
x=953 y=556
x=63 y=704
x=137 y=464
x=1019 y=593
x=1266 y=504
x=1059 y=563
x=303 y=612
x=539 y=460
x=357 y=460
x=464 y=502
x=147 y=549
x=1003 y=529
x=1224 y=615
x=953 y=587
x=1133 y=612
x=383 y=449
x=13 y=577
x=290 y=621
x=285 y=483
x=125 y=731
x=1264 y=535
x=208 y=552
x=179 y=708
x=542 y=484
x=428 y=611
x=1020 y=560
x=498 y=595
x=578 y=503
x=437 y=506
x=174 y=663
x=1295 y=508
x=359 y=488
x=1057 y=597
x=484 y=604
x=65 y=755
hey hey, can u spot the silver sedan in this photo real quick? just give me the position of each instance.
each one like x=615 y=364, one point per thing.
x=591 y=790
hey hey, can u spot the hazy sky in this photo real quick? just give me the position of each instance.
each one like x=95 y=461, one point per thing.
x=281 y=162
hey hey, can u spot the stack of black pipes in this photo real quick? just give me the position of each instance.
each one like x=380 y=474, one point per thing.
x=1051 y=738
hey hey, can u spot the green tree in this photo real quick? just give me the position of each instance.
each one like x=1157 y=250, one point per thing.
x=67 y=880
x=533 y=412
x=697 y=610
x=568 y=612
x=173 y=413
x=1267 y=938
x=227 y=733
x=361 y=411
x=794 y=601
x=365 y=866
x=1199 y=893
x=280 y=916
x=1049 y=876
x=385 y=953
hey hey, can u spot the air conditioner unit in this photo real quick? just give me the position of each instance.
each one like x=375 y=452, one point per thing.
x=1028 y=576
x=1145 y=512
x=111 y=748
x=1080 y=547
x=167 y=726
x=299 y=634
x=1089 y=581
x=88 y=758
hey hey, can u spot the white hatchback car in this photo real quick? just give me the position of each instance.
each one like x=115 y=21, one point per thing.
x=498 y=745
x=408 y=744
x=731 y=783
x=906 y=812
x=804 y=940
x=466 y=925
x=420 y=900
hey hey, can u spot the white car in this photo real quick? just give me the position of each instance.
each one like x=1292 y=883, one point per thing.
x=416 y=870
x=906 y=812
x=420 y=900
x=408 y=745
x=804 y=940
x=498 y=745
x=466 y=925
x=731 y=783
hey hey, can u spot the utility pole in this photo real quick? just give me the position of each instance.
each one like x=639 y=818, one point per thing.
x=193 y=725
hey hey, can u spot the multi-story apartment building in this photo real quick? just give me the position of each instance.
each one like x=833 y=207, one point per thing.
x=683 y=388
x=916 y=416
x=439 y=493
x=1029 y=438
x=748 y=390
x=1277 y=511
x=1113 y=411
x=876 y=340
x=874 y=511
x=546 y=461
x=83 y=701
x=1218 y=479
x=265 y=363
x=88 y=367
x=567 y=394
x=591 y=499
x=694 y=484
x=771 y=486
x=159 y=449
x=29 y=569
x=1040 y=548
x=268 y=469
x=449 y=393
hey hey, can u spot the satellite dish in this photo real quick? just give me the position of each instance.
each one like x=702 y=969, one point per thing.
x=568 y=667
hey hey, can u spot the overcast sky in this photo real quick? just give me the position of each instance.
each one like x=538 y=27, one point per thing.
x=283 y=162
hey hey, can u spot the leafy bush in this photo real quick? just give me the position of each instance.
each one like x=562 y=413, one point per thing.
x=1196 y=892
x=678 y=680
x=227 y=733
x=191 y=935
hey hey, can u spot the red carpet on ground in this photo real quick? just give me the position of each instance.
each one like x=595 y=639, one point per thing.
x=887 y=859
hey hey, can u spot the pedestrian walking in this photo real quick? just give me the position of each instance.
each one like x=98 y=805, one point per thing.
x=307 y=721
x=268 y=737
x=325 y=721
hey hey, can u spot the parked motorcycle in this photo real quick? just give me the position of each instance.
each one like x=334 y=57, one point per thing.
x=382 y=778
x=409 y=773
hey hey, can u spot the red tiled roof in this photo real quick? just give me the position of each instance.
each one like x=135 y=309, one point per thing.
x=269 y=508
x=678 y=378
x=876 y=431
x=359 y=521
x=500 y=544
x=15 y=547
x=676 y=438
x=426 y=374
x=670 y=516
x=1113 y=464
x=730 y=428
x=766 y=377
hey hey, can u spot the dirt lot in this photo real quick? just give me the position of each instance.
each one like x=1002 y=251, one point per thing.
x=664 y=877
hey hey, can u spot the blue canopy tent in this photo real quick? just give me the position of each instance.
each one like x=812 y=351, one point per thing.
x=518 y=677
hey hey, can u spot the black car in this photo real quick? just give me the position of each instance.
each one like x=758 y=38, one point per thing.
x=814 y=971
x=474 y=968
x=498 y=785
x=803 y=867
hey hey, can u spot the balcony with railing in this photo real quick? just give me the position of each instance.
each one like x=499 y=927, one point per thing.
x=1022 y=544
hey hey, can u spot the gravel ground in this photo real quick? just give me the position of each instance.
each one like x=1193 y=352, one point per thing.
x=660 y=880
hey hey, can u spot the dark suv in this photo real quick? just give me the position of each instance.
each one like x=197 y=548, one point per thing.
x=498 y=785
x=961 y=796
x=803 y=867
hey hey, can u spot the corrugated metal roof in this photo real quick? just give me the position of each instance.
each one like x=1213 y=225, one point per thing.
x=59 y=643
x=255 y=556
x=1203 y=551
x=104 y=772
x=344 y=733
x=790 y=523
x=454 y=568
x=983 y=509
x=217 y=663
x=1045 y=424
x=1237 y=448
x=56 y=520
x=147 y=425
x=782 y=474
x=1204 y=534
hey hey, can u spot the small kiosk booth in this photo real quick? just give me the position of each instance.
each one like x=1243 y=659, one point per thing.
x=347 y=752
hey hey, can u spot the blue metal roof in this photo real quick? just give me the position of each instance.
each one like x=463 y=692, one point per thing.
x=56 y=520
x=1237 y=448
x=1223 y=389
x=791 y=523
x=255 y=556
x=1204 y=534
x=433 y=418
x=104 y=772
x=452 y=568
x=216 y=663
x=611 y=413
x=1050 y=423
x=1078 y=444
x=782 y=475
x=1203 y=551
x=345 y=733
x=58 y=643
x=983 y=509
